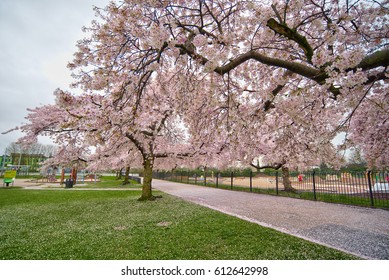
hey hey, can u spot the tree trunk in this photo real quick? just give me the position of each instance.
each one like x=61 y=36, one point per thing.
x=74 y=175
x=119 y=174
x=62 y=176
x=147 y=178
x=286 y=180
x=126 y=176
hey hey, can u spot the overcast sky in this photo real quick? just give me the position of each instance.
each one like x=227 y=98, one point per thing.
x=37 y=40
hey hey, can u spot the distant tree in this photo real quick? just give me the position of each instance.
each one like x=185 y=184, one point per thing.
x=356 y=161
x=356 y=156
x=30 y=154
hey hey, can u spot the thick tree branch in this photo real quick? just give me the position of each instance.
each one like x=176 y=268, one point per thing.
x=137 y=143
x=374 y=60
x=275 y=166
x=298 y=68
x=269 y=103
x=284 y=30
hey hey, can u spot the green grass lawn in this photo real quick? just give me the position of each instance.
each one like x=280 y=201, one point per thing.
x=105 y=182
x=109 y=182
x=59 y=224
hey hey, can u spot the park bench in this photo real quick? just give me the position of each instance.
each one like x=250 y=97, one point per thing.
x=9 y=177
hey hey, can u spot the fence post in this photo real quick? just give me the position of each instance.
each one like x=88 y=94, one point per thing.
x=205 y=176
x=314 y=185
x=370 y=187
x=251 y=181
x=217 y=179
x=195 y=178
x=232 y=179
x=277 y=182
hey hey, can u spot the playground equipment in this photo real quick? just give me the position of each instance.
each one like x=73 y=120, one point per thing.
x=9 y=177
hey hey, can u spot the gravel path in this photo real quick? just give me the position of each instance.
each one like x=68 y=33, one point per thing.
x=357 y=230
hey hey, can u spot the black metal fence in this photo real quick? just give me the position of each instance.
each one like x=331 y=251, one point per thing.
x=370 y=188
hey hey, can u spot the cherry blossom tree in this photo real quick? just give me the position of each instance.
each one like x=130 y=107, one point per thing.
x=285 y=139
x=218 y=81
x=60 y=123
x=288 y=56
x=121 y=134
